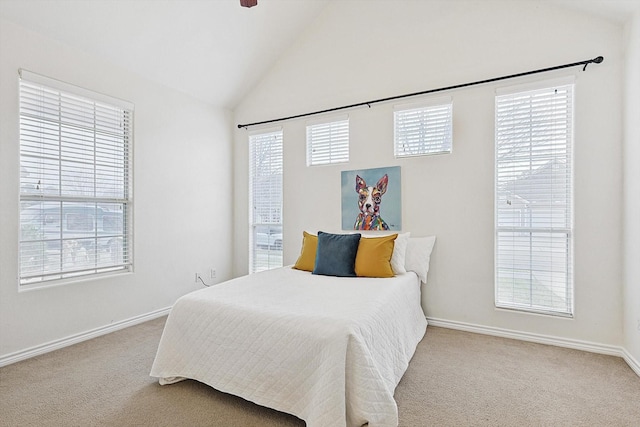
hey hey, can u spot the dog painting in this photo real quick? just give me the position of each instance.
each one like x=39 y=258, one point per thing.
x=363 y=209
x=369 y=200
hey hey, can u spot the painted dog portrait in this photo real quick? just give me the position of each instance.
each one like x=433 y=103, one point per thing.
x=369 y=201
x=376 y=203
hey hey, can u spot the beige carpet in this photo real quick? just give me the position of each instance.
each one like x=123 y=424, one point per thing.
x=454 y=379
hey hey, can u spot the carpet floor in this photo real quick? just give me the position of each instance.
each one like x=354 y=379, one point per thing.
x=454 y=379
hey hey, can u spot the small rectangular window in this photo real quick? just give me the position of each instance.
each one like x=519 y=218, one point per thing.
x=328 y=142
x=423 y=129
x=75 y=181
x=533 y=197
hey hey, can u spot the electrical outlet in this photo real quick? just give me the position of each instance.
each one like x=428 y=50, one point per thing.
x=212 y=275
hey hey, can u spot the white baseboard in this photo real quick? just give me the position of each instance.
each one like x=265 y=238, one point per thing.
x=462 y=326
x=541 y=339
x=633 y=363
x=10 y=358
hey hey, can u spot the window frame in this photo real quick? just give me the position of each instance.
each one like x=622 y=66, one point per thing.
x=89 y=138
x=555 y=239
x=332 y=136
x=268 y=246
x=423 y=117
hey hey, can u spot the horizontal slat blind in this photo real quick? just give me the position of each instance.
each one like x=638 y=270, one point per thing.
x=75 y=183
x=265 y=194
x=328 y=143
x=423 y=130
x=534 y=212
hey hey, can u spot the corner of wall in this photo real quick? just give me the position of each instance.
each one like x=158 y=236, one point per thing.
x=631 y=189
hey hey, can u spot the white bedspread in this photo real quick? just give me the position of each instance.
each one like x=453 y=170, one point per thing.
x=329 y=350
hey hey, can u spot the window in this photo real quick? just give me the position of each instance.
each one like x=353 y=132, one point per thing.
x=75 y=182
x=328 y=142
x=423 y=129
x=534 y=212
x=265 y=201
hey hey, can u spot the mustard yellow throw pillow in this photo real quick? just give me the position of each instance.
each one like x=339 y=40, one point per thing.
x=374 y=256
x=307 y=259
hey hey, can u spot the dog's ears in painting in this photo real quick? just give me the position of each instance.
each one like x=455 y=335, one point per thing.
x=360 y=184
x=382 y=184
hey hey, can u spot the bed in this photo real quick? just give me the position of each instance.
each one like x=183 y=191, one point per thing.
x=329 y=350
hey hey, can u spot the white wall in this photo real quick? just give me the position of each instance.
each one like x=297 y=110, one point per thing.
x=360 y=51
x=182 y=198
x=632 y=192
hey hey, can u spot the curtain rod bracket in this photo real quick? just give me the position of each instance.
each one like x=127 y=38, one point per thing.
x=595 y=60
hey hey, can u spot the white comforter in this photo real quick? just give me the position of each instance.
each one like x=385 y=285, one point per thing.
x=329 y=350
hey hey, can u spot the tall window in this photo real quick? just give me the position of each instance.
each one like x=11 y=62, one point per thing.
x=75 y=181
x=265 y=201
x=328 y=142
x=423 y=129
x=534 y=210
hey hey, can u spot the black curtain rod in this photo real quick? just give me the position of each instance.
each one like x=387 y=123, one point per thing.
x=596 y=60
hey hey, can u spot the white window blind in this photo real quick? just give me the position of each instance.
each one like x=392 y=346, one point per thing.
x=423 y=130
x=534 y=211
x=328 y=142
x=265 y=200
x=75 y=181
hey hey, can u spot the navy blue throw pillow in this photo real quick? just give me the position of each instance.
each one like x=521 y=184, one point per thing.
x=336 y=254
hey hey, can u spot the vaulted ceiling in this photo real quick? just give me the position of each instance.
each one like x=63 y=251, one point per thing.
x=213 y=50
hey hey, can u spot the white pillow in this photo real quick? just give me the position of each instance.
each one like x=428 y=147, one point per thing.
x=418 y=255
x=399 y=253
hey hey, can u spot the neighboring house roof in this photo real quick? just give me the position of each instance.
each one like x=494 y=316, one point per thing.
x=520 y=190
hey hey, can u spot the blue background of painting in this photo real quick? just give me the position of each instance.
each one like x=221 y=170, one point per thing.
x=391 y=206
